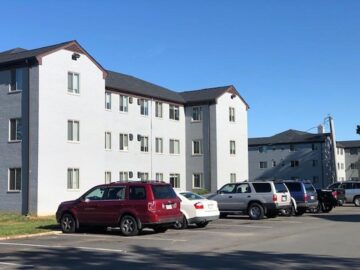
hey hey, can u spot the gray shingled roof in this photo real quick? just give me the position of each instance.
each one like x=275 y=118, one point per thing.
x=289 y=136
x=348 y=144
x=19 y=54
x=132 y=85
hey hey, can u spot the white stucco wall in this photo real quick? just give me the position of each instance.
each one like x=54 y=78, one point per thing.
x=341 y=160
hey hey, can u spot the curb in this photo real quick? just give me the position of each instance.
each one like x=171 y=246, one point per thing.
x=22 y=236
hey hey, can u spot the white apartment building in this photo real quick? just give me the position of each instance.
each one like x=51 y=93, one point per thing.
x=67 y=124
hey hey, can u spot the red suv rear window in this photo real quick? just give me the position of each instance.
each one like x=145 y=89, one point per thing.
x=163 y=192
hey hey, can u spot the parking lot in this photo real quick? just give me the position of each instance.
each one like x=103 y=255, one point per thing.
x=313 y=241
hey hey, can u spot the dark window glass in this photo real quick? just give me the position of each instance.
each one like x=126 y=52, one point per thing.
x=116 y=193
x=191 y=196
x=262 y=187
x=280 y=188
x=228 y=189
x=293 y=187
x=348 y=185
x=309 y=187
x=335 y=185
x=137 y=193
x=356 y=185
x=95 y=194
x=163 y=192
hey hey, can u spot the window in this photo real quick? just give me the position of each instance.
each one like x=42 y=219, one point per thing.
x=341 y=151
x=15 y=132
x=232 y=177
x=292 y=148
x=137 y=193
x=294 y=163
x=293 y=187
x=315 y=163
x=159 y=145
x=353 y=151
x=174 y=147
x=262 y=149
x=159 y=176
x=314 y=147
x=108 y=140
x=124 y=142
x=144 y=144
x=107 y=177
x=273 y=163
x=197 y=147
x=338 y=166
x=14 y=179
x=73 y=83
x=342 y=166
x=353 y=166
x=232 y=148
x=96 y=194
x=263 y=164
x=116 y=193
x=198 y=181
x=175 y=180
x=243 y=188
x=196 y=114
x=232 y=114
x=107 y=100
x=73 y=178
x=174 y=112
x=262 y=187
x=144 y=107
x=143 y=175
x=73 y=130
x=229 y=188
x=17 y=80
x=124 y=176
x=124 y=103
x=158 y=109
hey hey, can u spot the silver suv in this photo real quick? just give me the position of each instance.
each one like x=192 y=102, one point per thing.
x=257 y=198
x=352 y=190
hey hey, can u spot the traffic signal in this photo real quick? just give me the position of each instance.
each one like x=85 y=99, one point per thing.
x=358 y=129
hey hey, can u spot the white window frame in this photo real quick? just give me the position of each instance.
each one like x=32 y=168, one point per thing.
x=172 y=150
x=200 y=142
x=144 y=144
x=232 y=147
x=123 y=142
x=71 y=133
x=17 y=131
x=176 y=178
x=144 y=176
x=123 y=176
x=72 y=90
x=17 y=182
x=158 y=109
x=108 y=143
x=108 y=101
x=174 y=112
x=232 y=177
x=16 y=80
x=231 y=114
x=201 y=179
x=73 y=184
x=144 y=107
x=107 y=177
x=123 y=103
x=159 y=177
x=198 y=114
x=159 y=145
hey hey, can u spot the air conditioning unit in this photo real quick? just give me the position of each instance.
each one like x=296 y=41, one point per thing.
x=130 y=100
x=139 y=175
x=131 y=137
x=138 y=101
x=139 y=137
x=131 y=175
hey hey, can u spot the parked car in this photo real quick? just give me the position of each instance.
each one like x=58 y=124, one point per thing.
x=304 y=194
x=196 y=210
x=131 y=206
x=338 y=192
x=352 y=190
x=326 y=199
x=256 y=199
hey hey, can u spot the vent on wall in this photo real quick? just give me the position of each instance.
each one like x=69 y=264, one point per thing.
x=130 y=100
x=75 y=56
x=131 y=174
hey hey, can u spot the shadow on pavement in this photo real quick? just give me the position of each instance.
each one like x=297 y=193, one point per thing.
x=340 y=218
x=154 y=258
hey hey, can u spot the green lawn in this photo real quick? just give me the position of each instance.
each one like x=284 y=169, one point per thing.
x=14 y=224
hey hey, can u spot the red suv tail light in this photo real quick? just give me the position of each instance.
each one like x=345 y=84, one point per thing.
x=152 y=206
x=199 y=205
x=274 y=197
x=306 y=197
x=334 y=193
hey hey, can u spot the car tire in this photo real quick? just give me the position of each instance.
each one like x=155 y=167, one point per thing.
x=271 y=214
x=256 y=211
x=357 y=201
x=128 y=226
x=222 y=215
x=68 y=223
x=180 y=225
x=202 y=224
x=299 y=213
x=160 y=229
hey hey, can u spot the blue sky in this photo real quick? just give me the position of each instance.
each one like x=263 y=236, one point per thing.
x=294 y=62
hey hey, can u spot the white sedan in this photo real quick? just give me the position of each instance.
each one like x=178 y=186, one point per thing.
x=196 y=210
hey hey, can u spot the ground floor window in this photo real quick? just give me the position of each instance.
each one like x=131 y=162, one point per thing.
x=175 y=180
x=198 y=181
x=14 y=179
x=124 y=176
x=159 y=176
x=73 y=178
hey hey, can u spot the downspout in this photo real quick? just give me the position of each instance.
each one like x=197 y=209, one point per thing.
x=151 y=139
x=27 y=206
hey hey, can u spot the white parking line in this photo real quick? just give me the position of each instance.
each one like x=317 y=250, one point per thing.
x=247 y=226
x=127 y=238
x=61 y=247
x=15 y=264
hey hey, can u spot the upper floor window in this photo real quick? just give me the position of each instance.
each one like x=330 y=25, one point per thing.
x=232 y=148
x=273 y=163
x=143 y=176
x=124 y=103
x=107 y=177
x=198 y=181
x=144 y=144
x=144 y=107
x=17 y=80
x=158 y=145
x=315 y=162
x=263 y=164
x=196 y=114
x=123 y=176
x=174 y=147
x=73 y=83
x=292 y=148
x=232 y=177
x=314 y=147
x=108 y=140
x=353 y=151
x=73 y=130
x=124 y=142
x=107 y=100
x=158 y=109
x=197 y=148
x=15 y=129
x=159 y=177
x=175 y=180
x=14 y=179
x=294 y=163
x=262 y=149
x=232 y=114
x=174 y=112
x=73 y=178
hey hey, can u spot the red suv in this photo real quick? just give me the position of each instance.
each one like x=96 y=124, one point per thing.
x=131 y=206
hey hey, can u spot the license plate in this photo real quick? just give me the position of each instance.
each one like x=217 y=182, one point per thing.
x=283 y=198
x=168 y=206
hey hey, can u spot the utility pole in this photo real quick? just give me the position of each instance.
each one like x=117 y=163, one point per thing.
x=333 y=141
